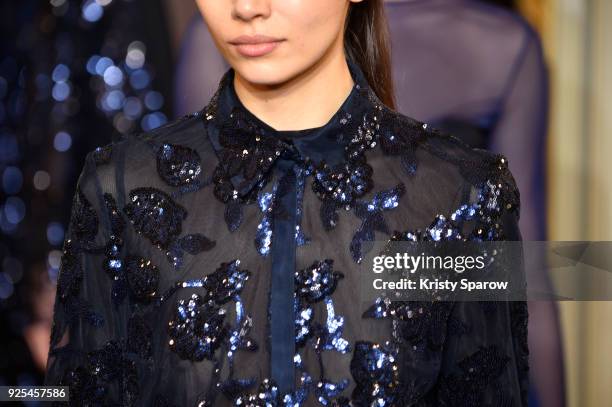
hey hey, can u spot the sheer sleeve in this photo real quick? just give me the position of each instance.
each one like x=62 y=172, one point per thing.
x=86 y=339
x=521 y=132
x=486 y=347
x=482 y=353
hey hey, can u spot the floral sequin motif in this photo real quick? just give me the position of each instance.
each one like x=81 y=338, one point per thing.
x=317 y=281
x=372 y=218
x=114 y=267
x=245 y=160
x=196 y=243
x=142 y=278
x=200 y=327
x=249 y=152
x=263 y=236
x=114 y=264
x=178 y=165
x=485 y=212
x=267 y=395
x=376 y=373
x=314 y=286
x=197 y=328
x=339 y=186
x=155 y=215
x=69 y=281
x=226 y=283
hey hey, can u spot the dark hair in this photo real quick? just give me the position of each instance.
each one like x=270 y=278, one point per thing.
x=367 y=43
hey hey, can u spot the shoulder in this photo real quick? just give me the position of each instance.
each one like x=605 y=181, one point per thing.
x=444 y=155
x=172 y=155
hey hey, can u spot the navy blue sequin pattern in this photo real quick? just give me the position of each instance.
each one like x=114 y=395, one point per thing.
x=177 y=236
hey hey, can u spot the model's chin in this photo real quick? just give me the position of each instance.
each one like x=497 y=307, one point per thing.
x=264 y=72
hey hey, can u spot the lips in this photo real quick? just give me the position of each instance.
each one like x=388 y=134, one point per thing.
x=255 y=45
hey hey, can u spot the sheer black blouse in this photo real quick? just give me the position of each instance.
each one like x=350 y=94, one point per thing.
x=212 y=262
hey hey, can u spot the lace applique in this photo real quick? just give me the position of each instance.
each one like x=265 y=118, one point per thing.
x=84 y=221
x=401 y=136
x=139 y=337
x=69 y=283
x=71 y=273
x=113 y=364
x=478 y=371
x=419 y=324
x=83 y=387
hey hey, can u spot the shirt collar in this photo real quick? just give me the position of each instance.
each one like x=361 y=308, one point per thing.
x=248 y=148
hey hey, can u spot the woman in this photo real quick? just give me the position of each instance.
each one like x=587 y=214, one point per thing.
x=229 y=239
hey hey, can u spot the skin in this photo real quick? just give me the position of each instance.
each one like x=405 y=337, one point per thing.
x=308 y=67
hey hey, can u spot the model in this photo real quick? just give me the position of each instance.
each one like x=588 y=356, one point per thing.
x=213 y=261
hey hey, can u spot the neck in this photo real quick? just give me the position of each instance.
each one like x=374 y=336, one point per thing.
x=306 y=101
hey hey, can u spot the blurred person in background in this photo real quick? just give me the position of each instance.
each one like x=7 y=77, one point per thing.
x=475 y=69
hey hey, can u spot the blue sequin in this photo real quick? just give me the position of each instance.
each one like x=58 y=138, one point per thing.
x=197 y=329
x=154 y=214
x=178 y=165
x=301 y=173
x=263 y=236
x=376 y=373
x=372 y=218
x=318 y=281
